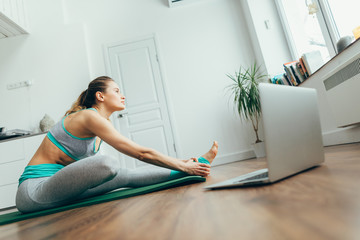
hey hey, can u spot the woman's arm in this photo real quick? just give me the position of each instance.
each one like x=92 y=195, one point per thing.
x=105 y=130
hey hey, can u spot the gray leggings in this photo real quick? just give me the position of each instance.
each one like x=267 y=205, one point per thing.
x=85 y=178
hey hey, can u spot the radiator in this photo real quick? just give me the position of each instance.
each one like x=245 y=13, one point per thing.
x=343 y=93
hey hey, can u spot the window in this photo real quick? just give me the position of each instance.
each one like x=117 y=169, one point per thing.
x=345 y=15
x=317 y=24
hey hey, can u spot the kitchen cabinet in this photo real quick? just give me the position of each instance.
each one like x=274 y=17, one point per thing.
x=12 y=18
x=15 y=155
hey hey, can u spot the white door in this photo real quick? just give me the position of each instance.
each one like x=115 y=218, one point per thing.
x=134 y=66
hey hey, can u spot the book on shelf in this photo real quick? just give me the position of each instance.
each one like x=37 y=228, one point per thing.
x=312 y=61
x=280 y=79
x=298 y=71
x=287 y=79
x=294 y=72
x=303 y=68
x=290 y=73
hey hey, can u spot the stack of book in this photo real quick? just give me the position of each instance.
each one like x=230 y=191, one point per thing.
x=279 y=79
x=298 y=71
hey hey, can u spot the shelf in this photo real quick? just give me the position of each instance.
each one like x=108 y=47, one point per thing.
x=20 y=136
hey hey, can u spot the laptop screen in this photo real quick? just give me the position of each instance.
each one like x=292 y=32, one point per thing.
x=292 y=129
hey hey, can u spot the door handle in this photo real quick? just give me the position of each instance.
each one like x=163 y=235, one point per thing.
x=121 y=115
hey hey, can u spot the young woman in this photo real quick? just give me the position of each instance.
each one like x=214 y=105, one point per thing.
x=66 y=166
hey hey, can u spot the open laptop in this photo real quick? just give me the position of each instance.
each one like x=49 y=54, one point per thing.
x=292 y=131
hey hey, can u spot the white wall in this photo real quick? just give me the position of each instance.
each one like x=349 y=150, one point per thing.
x=53 y=56
x=270 y=43
x=198 y=44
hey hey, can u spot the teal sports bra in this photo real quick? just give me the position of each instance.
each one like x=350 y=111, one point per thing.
x=75 y=147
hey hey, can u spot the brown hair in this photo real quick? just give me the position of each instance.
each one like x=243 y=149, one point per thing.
x=87 y=98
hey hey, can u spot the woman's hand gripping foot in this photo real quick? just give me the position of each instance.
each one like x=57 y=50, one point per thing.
x=201 y=168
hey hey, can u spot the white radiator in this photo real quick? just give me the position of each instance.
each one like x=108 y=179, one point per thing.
x=343 y=92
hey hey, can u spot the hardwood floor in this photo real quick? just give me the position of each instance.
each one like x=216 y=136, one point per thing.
x=323 y=203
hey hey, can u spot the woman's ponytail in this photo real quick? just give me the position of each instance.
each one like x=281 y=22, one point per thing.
x=78 y=104
x=87 y=98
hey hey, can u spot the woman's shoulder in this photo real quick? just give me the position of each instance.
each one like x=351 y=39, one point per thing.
x=84 y=114
x=92 y=119
x=88 y=112
x=85 y=118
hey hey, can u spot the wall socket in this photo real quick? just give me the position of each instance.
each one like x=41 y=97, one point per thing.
x=19 y=84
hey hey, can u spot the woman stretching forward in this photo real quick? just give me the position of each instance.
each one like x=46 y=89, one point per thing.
x=66 y=167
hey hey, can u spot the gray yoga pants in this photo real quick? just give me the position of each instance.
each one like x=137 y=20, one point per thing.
x=85 y=178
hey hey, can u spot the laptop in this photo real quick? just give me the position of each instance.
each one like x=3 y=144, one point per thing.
x=292 y=134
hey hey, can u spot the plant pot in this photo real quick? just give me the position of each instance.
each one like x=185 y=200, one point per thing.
x=259 y=149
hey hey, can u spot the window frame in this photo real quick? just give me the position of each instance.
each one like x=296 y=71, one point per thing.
x=326 y=22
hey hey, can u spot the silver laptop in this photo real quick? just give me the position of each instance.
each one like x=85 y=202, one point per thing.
x=292 y=134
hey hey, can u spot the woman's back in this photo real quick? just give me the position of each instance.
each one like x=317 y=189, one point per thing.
x=68 y=141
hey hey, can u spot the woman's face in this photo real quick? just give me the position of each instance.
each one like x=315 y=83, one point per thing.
x=113 y=98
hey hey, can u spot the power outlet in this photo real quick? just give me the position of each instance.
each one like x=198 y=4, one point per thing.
x=19 y=84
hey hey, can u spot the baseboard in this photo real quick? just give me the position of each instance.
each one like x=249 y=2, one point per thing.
x=342 y=136
x=233 y=157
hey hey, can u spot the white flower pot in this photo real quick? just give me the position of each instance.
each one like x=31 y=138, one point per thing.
x=259 y=149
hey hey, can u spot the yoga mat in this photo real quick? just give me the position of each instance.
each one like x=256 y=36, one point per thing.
x=124 y=193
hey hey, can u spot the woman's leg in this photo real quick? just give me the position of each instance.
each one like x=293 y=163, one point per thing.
x=147 y=176
x=130 y=178
x=67 y=184
x=88 y=177
x=133 y=178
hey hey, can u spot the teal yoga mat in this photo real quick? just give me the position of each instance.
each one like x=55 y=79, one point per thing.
x=124 y=193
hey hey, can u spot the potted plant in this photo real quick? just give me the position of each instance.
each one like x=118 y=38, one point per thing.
x=245 y=92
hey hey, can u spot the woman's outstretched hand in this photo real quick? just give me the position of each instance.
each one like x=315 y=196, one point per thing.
x=194 y=167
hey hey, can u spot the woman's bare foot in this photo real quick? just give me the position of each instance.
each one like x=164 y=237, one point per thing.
x=211 y=154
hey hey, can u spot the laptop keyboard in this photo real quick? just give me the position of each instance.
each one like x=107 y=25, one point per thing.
x=262 y=175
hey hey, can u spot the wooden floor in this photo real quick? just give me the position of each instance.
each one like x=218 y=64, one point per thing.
x=323 y=203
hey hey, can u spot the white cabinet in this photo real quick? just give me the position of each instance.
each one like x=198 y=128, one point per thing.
x=12 y=18
x=15 y=155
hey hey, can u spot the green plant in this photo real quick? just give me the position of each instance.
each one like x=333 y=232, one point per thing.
x=245 y=92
